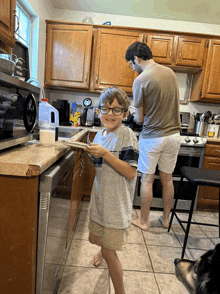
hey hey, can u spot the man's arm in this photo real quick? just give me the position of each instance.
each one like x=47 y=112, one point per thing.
x=139 y=115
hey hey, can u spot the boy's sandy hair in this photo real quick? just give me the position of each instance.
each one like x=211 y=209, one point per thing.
x=109 y=94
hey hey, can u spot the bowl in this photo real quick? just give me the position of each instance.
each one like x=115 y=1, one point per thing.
x=7 y=66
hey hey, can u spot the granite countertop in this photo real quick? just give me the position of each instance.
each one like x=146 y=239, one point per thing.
x=32 y=159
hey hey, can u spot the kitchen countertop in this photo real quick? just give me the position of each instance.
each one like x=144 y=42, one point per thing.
x=32 y=159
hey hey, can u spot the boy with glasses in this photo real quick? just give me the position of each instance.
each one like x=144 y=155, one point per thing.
x=115 y=153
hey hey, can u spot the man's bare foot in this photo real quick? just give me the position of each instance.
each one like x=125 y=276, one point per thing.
x=137 y=222
x=98 y=258
x=165 y=223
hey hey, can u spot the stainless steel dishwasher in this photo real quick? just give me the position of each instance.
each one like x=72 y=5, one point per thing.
x=54 y=208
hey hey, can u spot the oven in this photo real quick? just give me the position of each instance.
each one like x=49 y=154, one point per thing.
x=191 y=153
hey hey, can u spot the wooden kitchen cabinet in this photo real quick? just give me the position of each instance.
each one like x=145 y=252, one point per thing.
x=205 y=85
x=7 y=25
x=109 y=65
x=211 y=84
x=68 y=55
x=76 y=190
x=18 y=234
x=176 y=50
x=209 y=196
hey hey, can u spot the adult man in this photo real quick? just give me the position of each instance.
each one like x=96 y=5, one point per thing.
x=156 y=102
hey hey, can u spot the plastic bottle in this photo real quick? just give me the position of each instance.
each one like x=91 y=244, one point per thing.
x=48 y=113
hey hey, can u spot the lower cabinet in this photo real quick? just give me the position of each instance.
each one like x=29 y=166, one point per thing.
x=209 y=196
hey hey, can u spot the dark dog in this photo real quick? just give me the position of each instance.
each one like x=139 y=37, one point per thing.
x=201 y=276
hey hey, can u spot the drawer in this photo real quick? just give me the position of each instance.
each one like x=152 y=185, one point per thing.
x=212 y=150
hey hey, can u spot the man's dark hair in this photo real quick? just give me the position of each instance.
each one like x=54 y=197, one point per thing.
x=140 y=50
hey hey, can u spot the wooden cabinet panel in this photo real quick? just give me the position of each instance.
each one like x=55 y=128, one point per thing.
x=68 y=54
x=110 y=66
x=209 y=196
x=161 y=47
x=18 y=235
x=211 y=85
x=7 y=25
x=76 y=192
x=190 y=51
x=177 y=51
x=212 y=150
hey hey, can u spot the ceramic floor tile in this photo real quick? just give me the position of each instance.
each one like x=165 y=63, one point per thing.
x=206 y=218
x=194 y=254
x=81 y=254
x=135 y=235
x=196 y=239
x=135 y=257
x=84 y=211
x=162 y=258
x=138 y=283
x=81 y=230
x=160 y=236
x=169 y=284
x=82 y=280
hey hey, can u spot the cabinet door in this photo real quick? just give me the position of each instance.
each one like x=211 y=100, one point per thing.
x=209 y=196
x=190 y=51
x=76 y=192
x=68 y=54
x=161 y=47
x=211 y=84
x=7 y=23
x=110 y=66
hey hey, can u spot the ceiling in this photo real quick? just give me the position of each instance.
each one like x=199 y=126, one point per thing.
x=186 y=10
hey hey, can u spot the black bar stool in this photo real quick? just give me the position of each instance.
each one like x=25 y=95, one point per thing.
x=199 y=177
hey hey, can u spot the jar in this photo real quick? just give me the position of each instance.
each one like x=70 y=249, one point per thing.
x=47 y=133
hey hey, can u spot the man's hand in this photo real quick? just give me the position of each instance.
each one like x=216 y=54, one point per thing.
x=96 y=150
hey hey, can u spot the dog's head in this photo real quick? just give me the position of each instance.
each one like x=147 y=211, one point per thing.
x=200 y=276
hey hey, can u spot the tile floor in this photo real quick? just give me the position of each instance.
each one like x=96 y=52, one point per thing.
x=147 y=260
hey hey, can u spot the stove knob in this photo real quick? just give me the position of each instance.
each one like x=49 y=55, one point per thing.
x=187 y=139
x=195 y=140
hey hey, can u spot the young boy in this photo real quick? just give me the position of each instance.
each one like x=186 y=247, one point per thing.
x=115 y=152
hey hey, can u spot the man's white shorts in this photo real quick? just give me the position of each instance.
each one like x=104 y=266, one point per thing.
x=162 y=151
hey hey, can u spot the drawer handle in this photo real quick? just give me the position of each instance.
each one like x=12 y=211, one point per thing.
x=217 y=150
x=170 y=54
x=179 y=55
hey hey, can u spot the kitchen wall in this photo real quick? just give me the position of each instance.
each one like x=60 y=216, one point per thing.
x=45 y=11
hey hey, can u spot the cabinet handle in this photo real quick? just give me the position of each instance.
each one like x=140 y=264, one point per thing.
x=96 y=79
x=86 y=78
x=179 y=56
x=217 y=150
x=170 y=54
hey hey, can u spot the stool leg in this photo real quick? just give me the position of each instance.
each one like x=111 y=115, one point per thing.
x=175 y=203
x=188 y=226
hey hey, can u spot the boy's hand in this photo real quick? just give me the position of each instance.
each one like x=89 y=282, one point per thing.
x=96 y=150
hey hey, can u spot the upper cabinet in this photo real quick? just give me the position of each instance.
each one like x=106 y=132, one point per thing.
x=211 y=83
x=206 y=86
x=68 y=55
x=177 y=51
x=109 y=65
x=7 y=25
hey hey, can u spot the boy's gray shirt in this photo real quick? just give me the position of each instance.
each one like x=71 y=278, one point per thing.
x=112 y=194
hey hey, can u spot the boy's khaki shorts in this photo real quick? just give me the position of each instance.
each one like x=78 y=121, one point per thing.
x=114 y=239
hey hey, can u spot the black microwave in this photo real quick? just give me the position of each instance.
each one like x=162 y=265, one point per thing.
x=19 y=104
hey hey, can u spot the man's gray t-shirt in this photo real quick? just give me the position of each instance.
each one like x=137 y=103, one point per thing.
x=112 y=194
x=156 y=90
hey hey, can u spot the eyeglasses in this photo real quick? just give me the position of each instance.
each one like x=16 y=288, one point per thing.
x=131 y=63
x=115 y=110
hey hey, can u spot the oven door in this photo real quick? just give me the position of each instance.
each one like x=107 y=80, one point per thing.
x=188 y=156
